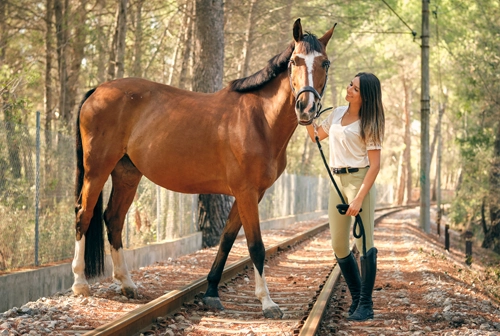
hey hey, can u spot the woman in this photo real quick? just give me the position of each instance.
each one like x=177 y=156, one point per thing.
x=355 y=134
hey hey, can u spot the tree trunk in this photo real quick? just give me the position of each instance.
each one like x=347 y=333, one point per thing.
x=492 y=237
x=181 y=40
x=407 y=140
x=159 y=45
x=9 y=117
x=48 y=83
x=120 y=47
x=401 y=179
x=187 y=54
x=101 y=42
x=3 y=29
x=137 y=70
x=331 y=79
x=78 y=42
x=431 y=155
x=305 y=157
x=437 y=140
x=117 y=52
x=61 y=13
x=247 y=41
x=209 y=50
x=286 y=18
x=12 y=136
x=213 y=210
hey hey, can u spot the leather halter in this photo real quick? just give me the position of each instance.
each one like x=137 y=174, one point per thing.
x=311 y=89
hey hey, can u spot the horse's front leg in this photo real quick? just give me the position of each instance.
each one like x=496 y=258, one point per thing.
x=249 y=213
x=229 y=234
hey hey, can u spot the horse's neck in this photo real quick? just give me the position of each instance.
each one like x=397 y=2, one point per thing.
x=279 y=109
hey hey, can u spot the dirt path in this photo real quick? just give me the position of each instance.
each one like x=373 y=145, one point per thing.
x=421 y=289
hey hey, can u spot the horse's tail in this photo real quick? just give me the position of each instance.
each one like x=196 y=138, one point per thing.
x=94 y=237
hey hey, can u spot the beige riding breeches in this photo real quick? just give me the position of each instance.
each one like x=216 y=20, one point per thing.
x=340 y=225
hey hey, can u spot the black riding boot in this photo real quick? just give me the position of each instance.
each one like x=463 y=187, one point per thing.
x=350 y=271
x=368 y=272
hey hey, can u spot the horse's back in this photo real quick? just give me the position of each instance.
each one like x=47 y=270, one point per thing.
x=170 y=135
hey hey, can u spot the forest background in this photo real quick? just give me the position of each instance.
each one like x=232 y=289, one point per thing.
x=53 y=51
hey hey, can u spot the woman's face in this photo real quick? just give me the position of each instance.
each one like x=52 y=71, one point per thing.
x=353 y=95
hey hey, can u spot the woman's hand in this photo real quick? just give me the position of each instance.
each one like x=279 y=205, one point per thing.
x=314 y=130
x=371 y=175
x=354 y=207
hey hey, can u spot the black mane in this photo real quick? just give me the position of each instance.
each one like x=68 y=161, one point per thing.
x=275 y=66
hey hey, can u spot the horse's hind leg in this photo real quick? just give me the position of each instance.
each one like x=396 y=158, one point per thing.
x=125 y=178
x=233 y=225
x=89 y=256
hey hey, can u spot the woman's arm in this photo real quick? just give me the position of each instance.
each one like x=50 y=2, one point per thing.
x=371 y=175
x=321 y=132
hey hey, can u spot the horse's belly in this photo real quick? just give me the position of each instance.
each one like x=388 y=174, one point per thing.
x=189 y=184
x=182 y=174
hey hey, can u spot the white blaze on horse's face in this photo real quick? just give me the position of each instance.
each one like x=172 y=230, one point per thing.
x=309 y=61
x=307 y=102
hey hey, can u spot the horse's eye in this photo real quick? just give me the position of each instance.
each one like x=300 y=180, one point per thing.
x=292 y=62
x=326 y=64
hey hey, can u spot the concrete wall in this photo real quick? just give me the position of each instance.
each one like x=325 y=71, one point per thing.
x=18 y=288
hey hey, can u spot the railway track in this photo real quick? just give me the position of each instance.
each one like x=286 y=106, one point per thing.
x=301 y=277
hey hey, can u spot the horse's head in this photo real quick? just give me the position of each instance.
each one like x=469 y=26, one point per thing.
x=308 y=72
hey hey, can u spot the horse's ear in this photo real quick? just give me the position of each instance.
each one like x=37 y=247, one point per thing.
x=297 y=31
x=325 y=38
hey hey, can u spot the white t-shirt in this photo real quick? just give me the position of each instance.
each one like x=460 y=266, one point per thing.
x=347 y=149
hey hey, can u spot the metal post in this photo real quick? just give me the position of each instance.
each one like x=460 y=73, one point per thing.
x=158 y=212
x=468 y=247
x=37 y=186
x=438 y=222
x=194 y=212
x=126 y=231
x=446 y=238
x=425 y=193
x=438 y=168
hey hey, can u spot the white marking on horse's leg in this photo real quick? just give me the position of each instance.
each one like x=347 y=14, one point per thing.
x=120 y=273
x=80 y=286
x=261 y=290
x=309 y=60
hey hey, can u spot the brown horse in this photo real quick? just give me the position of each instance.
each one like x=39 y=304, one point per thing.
x=231 y=142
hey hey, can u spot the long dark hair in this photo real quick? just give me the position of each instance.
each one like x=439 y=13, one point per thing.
x=371 y=114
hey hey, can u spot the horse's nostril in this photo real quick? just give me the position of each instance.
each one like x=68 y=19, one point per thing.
x=313 y=108
x=298 y=105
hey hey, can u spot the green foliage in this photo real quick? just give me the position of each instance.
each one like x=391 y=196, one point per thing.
x=465 y=72
x=475 y=55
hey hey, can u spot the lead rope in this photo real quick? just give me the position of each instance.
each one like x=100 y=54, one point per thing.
x=342 y=208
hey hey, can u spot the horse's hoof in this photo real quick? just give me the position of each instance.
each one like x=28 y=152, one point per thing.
x=274 y=313
x=81 y=289
x=130 y=292
x=213 y=302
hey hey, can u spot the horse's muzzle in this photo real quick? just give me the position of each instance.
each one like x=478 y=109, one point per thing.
x=306 y=123
x=307 y=108
x=306 y=117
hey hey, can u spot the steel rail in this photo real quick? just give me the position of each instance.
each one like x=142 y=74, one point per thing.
x=313 y=322
x=138 y=319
